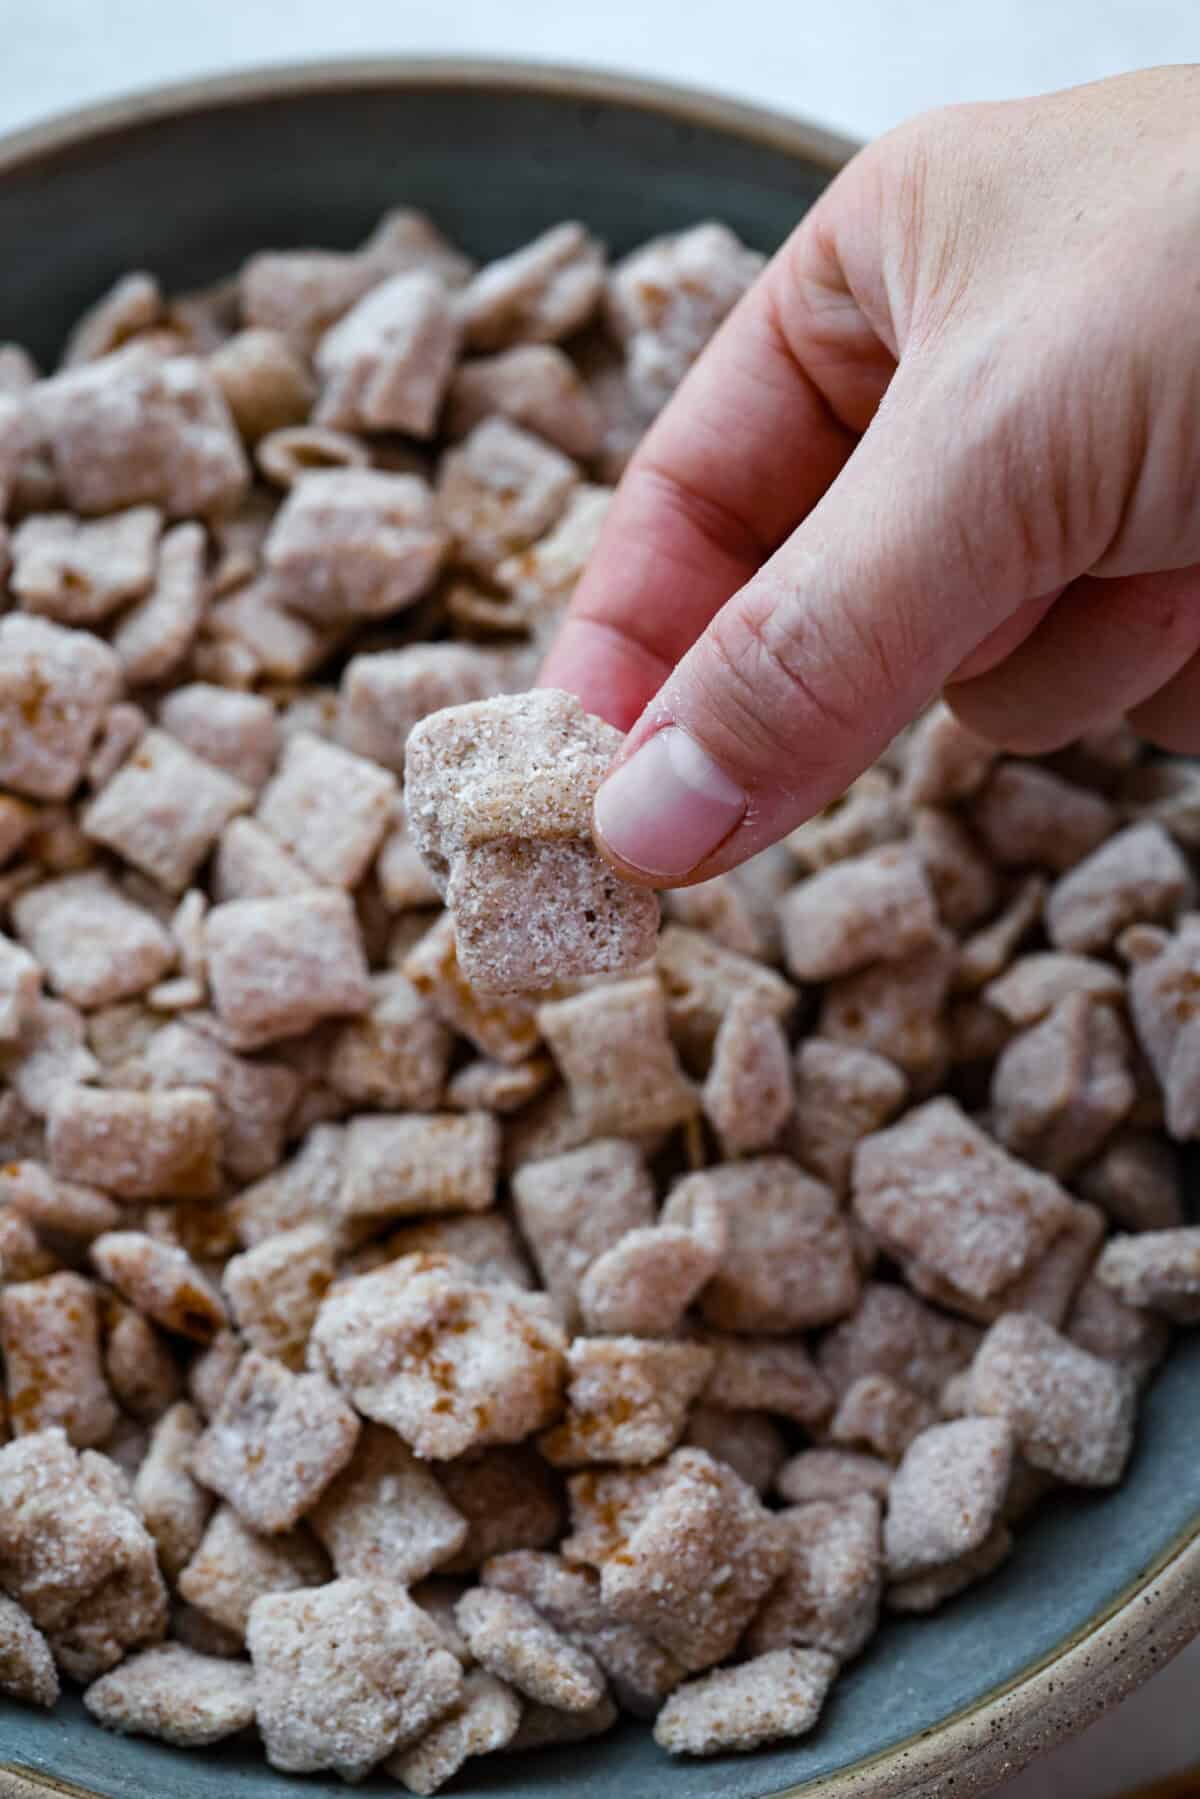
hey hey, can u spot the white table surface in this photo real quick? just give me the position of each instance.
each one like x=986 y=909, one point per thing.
x=857 y=65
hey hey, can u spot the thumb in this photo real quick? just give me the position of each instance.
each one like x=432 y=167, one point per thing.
x=911 y=560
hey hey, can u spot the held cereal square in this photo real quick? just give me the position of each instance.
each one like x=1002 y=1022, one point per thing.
x=55 y=688
x=278 y=965
x=164 y=809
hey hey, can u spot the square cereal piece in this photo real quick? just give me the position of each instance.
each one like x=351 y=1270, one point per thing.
x=275 y=1290
x=54 y=1374
x=354 y=543
x=328 y=808
x=1025 y=814
x=1071 y=1413
x=384 y=694
x=154 y=635
x=627 y=1400
x=536 y=386
x=530 y=914
x=1137 y=877
x=94 y=945
x=842 y=1095
x=833 y=1474
x=172 y=1693
x=234 y=731
x=55 y=688
x=789 y=1263
x=867 y=815
x=542 y=292
x=20 y=990
x=1156 y=1270
x=265 y=383
x=1106 y=1327
x=486 y=1243
x=504 y=1028
x=276 y=966
x=499 y=491
x=448 y=1362
x=926 y=1592
x=164 y=809
x=509 y=1638
x=880 y=1414
x=895 y=1010
x=385 y=1518
x=255 y=1099
x=696 y=1565
x=947 y=1494
x=27 y=1670
x=775 y=1697
x=828 y=1597
x=1060 y=1087
x=174 y=1507
x=162 y=1281
x=750 y=1442
x=302 y=1190
x=613 y=1048
x=484 y=1719
x=397 y=1054
x=574 y=1207
x=57 y=1206
x=936 y=1188
x=1031 y=988
x=49 y=1059
x=234 y=1565
x=645 y=1283
x=767 y=1374
x=1136 y=1180
x=275 y=1443
x=541 y=579
x=702 y=979
x=747 y=1096
x=137 y=427
x=78 y=571
x=136 y=1145
x=422 y=1162
x=251 y=633
x=1163 y=991
x=510 y=1499
x=866 y=909
x=345 y=1673
x=893 y=1332
x=386 y=364
x=250 y=864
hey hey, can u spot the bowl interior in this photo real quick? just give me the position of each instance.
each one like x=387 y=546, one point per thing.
x=188 y=193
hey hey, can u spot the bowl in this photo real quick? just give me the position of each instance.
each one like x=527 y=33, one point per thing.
x=189 y=180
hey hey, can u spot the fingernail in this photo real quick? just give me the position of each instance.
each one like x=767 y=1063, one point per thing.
x=668 y=807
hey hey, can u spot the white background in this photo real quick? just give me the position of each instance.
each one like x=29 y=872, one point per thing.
x=857 y=65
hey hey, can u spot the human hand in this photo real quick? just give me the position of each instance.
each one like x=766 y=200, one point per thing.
x=949 y=439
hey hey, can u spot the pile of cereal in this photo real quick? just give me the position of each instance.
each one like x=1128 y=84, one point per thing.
x=430 y=1332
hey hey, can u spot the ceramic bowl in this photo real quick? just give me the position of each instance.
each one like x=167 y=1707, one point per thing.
x=187 y=182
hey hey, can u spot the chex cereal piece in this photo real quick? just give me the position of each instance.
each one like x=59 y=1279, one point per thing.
x=287 y=455
x=534 y=385
x=872 y=907
x=842 y=1094
x=396 y=1054
x=211 y=1370
x=774 y=1697
x=747 y=1096
x=485 y=1718
x=51 y=1205
x=301 y=1191
x=251 y=864
x=448 y=1362
x=1103 y=1325
x=1026 y=814
x=1061 y=1086
x=234 y=731
x=828 y=1596
x=175 y=1507
x=405 y=884
x=139 y=427
x=1162 y=998
x=893 y=1332
x=514 y=1642
x=22 y=1257
x=234 y=1565
x=275 y=1290
x=1138 y=876
x=354 y=543
x=1158 y=1270
x=423 y=1162
x=627 y=1400
x=541 y=292
x=132 y=305
x=276 y=966
x=20 y=989
x=1049 y=1287
x=265 y=383
x=750 y=1442
x=612 y=1046
x=275 y=1443
x=724 y=909
x=385 y=1518
x=50 y=1059
x=384 y=694
x=867 y=815
x=701 y=978
x=935 y=1188
x=95 y=945
x=894 y=1009
x=171 y=1692
x=76 y=1555
x=500 y=490
x=255 y=1099
x=984 y=956
x=488 y=1086
x=1136 y=1180
x=510 y=1499
x=946 y=1495
x=78 y=571
x=164 y=809
x=833 y=1474
x=141 y=1368
x=253 y=630
x=545 y=1727
x=154 y=635
x=136 y=1145
x=539 y=580
x=161 y=1281
x=880 y=1414
x=645 y=1283
x=942 y=760
x=344 y=1673
x=54 y=1374
x=963 y=881
x=386 y=364
x=665 y=300
x=926 y=1592
x=55 y=688
x=504 y=1027
x=328 y=808
x=486 y=1243
x=1036 y=983
x=788 y=1263
x=572 y=1208
x=766 y=1374
x=1071 y=1413
x=27 y=1670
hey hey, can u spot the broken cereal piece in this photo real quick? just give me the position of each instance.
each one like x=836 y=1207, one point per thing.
x=774 y=1697
x=1071 y=1413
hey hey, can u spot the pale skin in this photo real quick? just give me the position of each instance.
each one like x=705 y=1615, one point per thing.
x=948 y=442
